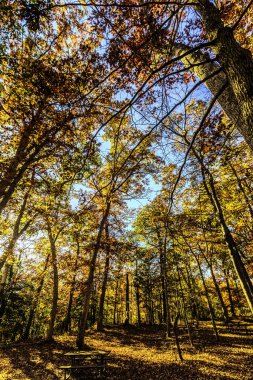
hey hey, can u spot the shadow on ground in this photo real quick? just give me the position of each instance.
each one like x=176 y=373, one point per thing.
x=231 y=359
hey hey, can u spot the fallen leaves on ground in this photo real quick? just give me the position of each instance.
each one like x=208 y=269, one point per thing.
x=137 y=353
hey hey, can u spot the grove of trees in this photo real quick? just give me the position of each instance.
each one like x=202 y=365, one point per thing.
x=103 y=105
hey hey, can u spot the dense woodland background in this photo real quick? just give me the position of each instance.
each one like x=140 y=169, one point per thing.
x=126 y=191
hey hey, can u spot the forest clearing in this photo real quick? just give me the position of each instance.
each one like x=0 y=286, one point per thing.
x=138 y=353
x=126 y=189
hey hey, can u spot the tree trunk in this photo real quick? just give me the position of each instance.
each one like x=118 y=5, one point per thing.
x=234 y=254
x=16 y=232
x=115 y=302
x=231 y=302
x=239 y=181
x=35 y=301
x=55 y=284
x=183 y=306
x=6 y=260
x=237 y=63
x=127 y=319
x=175 y=330
x=208 y=299
x=193 y=290
x=164 y=277
x=238 y=264
x=88 y=290
x=237 y=68
x=104 y=284
x=217 y=288
x=66 y=326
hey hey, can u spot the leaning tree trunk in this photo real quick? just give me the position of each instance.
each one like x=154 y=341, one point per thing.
x=88 y=290
x=6 y=261
x=237 y=64
x=238 y=264
x=234 y=66
x=240 y=185
x=17 y=232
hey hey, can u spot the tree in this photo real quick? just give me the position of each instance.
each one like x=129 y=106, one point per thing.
x=150 y=40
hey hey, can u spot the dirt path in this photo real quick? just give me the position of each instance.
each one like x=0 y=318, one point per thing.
x=136 y=354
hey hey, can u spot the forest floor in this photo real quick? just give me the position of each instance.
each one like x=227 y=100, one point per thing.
x=138 y=354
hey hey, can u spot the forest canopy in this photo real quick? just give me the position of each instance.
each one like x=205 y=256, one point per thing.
x=104 y=105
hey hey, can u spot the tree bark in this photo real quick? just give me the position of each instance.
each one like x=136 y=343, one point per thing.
x=237 y=65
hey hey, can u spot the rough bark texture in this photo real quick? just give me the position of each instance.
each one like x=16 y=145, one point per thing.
x=237 y=65
x=227 y=100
